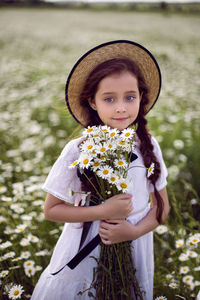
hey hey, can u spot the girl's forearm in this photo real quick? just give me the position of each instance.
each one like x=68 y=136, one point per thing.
x=147 y=224
x=116 y=207
x=72 y=214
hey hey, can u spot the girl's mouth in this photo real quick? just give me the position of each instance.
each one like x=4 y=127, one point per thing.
x=120 y=119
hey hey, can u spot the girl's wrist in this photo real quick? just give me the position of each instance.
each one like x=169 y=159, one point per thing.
x=135 y=232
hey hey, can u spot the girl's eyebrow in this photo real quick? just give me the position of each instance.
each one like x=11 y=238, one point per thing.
x=110 y=93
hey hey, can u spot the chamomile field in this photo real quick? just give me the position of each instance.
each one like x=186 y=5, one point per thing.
x=38 y=49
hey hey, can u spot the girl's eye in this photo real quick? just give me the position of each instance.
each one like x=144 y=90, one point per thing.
x=130 y=98
x=109 y=99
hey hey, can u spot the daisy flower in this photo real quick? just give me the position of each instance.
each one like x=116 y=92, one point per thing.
x=111 y=146
x=89 y=130
x=96 y=164
x=173 y=285
x=184 y=270
x=9 y=254
x=104 y=172
x=113 y=179
x=73 y=165
x=192 y=254
x=88 y=146
x=124 y=145
x=30 y=271
x=120 y=163
x=32 y=238
x=161 y=229
x=25 y=254
x=169 y=277
x=29 y=263
x=150 y=170
x=183 y=257
x=188 y=279
x=15 y=292
x=5 y=245
x=24 y=242
x=193 y=240
x=113 y=133
x=20 y=228
x=179 y=243
x=102 y=148
x=190 y=285
x=123 y=185
x=105 y=129
x=85 y=161
x=4 y=273
x=161 y=298
x=127 y=133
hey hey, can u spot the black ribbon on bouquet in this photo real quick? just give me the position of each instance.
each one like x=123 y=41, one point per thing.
x=82 y=254
x=86 y=250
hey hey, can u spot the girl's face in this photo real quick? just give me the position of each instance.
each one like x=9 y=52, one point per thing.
x=117 y=100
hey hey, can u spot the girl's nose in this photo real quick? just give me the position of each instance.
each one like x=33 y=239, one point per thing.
x=120 y=109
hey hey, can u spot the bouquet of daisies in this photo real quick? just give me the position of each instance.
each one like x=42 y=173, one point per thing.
x=104 y=161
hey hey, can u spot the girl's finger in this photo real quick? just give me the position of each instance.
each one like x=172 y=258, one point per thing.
x=113 y=221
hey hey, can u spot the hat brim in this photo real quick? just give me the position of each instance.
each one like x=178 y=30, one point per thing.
x=91 y=59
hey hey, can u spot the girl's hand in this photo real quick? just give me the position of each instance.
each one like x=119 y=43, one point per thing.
x=117 y=207
x=117 y=231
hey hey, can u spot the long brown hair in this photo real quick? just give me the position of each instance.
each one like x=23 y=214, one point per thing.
x=120 y=65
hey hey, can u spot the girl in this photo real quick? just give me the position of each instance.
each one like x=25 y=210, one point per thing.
x=115 y=84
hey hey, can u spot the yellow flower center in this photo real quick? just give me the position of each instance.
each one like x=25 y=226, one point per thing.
x=187 y=279
x=110 y=146
x=89 y=130
x=112 y=134
x=96 y=164
x=105 y=172
x=102 y=157
x=90 y=147
x=75 y=163
x=85 y=161
x=194 y=240
x=123 y=185
x=105 y=130
x=102 y=149
x=122 y=143
x=127 y=134
x=120 y=162
x=16 y=292
x=112 y=179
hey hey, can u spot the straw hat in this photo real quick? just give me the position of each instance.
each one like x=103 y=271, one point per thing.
x=91 y=59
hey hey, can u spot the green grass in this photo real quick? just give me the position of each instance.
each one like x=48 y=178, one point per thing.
x=38 y=49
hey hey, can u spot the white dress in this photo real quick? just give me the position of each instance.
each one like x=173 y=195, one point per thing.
x=67 y=283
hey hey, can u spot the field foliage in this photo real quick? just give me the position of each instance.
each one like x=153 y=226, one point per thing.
x=38 y=49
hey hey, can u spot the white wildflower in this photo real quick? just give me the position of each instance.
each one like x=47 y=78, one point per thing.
x=84 y=161
x=161 y=229
x=188 y=279
x=104 y=172
x=183 y=257
x=30 y=271
x=179 y=243
x=150 y=170
x=15 y=291
x=184 y=270
x=120 y=163
x=4 y=273
x=20 y=228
